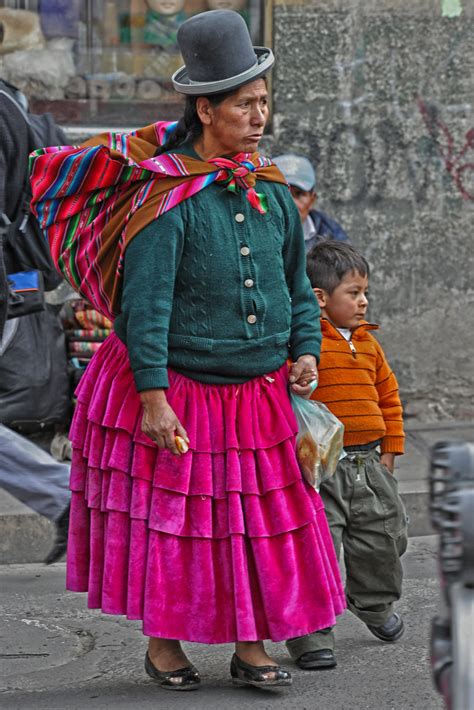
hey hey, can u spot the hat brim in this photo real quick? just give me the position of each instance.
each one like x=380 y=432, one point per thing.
x=184 y=85
x=304 y=185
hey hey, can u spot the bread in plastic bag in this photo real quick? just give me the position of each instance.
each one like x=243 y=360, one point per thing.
x=319 y=442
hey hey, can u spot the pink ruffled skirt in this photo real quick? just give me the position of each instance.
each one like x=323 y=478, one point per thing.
x=225 y=543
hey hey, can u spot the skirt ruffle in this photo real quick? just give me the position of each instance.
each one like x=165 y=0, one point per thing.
x=222 y=544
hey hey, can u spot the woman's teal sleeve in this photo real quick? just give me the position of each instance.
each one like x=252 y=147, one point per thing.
x=150 y=265
x=306 y=335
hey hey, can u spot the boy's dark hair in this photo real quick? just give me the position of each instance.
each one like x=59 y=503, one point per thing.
x=329 y=261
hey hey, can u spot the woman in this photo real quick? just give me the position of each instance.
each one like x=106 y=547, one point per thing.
x=202 y=545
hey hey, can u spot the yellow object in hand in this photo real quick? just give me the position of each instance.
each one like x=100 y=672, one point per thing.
x=181 y=444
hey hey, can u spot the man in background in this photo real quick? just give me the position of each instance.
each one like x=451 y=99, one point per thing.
x=34 y=384
x=301 y=178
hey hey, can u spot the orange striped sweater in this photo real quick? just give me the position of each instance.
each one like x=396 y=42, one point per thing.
x=359 y=387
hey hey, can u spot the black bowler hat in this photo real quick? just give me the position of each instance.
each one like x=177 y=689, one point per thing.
x=218 y=54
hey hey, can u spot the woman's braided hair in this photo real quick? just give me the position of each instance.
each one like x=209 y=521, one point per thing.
x=189 y=126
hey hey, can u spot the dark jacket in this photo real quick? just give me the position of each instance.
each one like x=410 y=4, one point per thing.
x=326 y=228
x=13 y=158
x=22 y=247
x=14 y=148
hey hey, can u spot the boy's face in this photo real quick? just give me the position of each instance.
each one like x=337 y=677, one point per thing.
x=347 y=304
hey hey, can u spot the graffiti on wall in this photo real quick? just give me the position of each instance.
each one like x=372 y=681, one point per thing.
x=458 y=164
x=373 y=148
x=405 y=147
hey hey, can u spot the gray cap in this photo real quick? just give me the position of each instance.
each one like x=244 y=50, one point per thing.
x=297 y=170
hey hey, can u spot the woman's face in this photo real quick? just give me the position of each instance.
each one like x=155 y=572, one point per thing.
x=236 y=125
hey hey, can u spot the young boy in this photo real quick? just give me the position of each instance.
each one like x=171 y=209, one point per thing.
x=363 y=507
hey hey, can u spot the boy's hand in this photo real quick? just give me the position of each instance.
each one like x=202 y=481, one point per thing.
x=303 y=374
x=388 y=461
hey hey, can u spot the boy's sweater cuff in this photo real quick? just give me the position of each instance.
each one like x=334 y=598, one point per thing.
x=393 y=445
x=151 y=378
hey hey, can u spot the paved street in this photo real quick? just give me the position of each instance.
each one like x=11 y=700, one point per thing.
x=57 y=655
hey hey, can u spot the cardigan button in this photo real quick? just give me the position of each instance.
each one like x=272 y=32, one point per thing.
x=239 y=217
x=248 y=283
x=251 y=319
x=245 y=251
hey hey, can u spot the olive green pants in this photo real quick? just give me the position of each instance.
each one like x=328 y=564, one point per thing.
x=367 y=517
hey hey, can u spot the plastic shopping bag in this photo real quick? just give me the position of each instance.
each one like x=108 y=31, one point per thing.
x=319 y=440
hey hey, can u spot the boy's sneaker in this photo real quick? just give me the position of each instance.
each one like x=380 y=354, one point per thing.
x=391 y=630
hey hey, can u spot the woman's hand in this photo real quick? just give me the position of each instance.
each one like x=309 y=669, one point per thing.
x=303 y=375
x=159 y=421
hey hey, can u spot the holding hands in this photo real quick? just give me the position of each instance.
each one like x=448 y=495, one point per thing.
x=303 y=375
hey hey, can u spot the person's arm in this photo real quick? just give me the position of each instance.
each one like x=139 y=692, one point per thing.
x=305 y=337
x=4 y=131
x=150 y=266
x=3 y=187
x=391 y=408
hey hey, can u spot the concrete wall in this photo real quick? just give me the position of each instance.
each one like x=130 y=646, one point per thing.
x=380 y=93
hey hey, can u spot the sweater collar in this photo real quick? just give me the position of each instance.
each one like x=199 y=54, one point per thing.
x=186 y=148
x=330 y=331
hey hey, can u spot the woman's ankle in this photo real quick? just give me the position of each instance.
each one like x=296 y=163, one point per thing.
x=166 y=654
x=157 y=645
x=253 y=653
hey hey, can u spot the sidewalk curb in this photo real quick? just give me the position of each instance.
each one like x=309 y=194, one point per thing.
x=24 y=537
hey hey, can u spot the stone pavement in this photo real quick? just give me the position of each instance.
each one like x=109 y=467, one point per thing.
x=26 y=537
x=57 y=655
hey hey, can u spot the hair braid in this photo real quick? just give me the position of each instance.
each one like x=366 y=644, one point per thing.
x=189 y=125
x=189 y=128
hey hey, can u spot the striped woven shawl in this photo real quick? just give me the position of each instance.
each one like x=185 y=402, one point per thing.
x=92 y=199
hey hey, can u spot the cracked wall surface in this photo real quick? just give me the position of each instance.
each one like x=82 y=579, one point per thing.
x=381 y=96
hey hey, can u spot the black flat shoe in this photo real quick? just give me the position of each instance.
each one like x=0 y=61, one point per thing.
x=182 y=679
x=390 y=631
x=317 y=660
x=259 y=676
